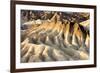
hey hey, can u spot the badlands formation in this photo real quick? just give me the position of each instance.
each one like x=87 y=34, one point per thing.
x=55 y=39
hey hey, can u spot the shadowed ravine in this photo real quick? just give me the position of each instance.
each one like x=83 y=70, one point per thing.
x=53 y=40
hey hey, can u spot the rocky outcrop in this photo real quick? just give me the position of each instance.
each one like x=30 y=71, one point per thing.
x=52 y=40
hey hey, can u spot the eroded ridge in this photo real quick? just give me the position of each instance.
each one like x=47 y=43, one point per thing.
x=55 y=40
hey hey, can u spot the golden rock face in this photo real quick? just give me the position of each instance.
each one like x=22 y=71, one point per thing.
x=54 y=40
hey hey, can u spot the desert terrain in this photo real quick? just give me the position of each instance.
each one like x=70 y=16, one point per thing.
x=54 y=36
